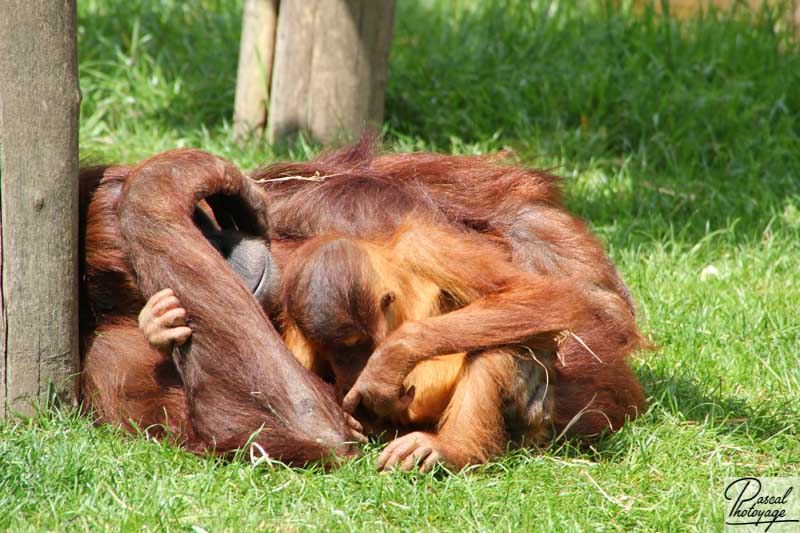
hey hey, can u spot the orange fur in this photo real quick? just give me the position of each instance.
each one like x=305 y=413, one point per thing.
x=434 y=381
x=460 y=395
x=485 y=261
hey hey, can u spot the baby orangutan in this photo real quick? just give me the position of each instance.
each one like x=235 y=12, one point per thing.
x=343 y=297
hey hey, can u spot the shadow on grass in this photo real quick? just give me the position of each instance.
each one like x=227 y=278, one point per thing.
x=697 y=403
x=701 y=115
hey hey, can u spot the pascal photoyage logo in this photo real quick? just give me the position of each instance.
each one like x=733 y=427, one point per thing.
x=762 y=504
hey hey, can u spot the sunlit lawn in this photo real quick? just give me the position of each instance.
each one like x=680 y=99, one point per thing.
x=680 y=142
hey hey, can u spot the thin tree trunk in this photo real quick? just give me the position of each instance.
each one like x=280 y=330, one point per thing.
x=256 y=51
x=331 y=63
x=39 y=101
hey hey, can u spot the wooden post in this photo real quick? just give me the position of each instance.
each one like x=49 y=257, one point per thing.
x=39 y=101
x=331 y=63
x=259 y=21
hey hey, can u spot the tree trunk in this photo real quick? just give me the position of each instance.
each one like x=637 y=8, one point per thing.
x=39 y=101
x=259 y=20
x=331 y=63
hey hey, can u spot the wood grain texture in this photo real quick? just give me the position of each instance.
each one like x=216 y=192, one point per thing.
x=330 y=70
x=256 y=51
x=39 y=101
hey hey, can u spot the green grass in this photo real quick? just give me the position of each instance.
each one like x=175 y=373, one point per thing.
x=681 y=145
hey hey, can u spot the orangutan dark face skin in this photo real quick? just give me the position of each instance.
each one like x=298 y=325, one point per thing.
x=247 y=255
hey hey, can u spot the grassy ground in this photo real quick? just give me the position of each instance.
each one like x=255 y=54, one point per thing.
x=680 y=142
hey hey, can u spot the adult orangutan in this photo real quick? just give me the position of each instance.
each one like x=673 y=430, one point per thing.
x=234 y=382
x=451 y=294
